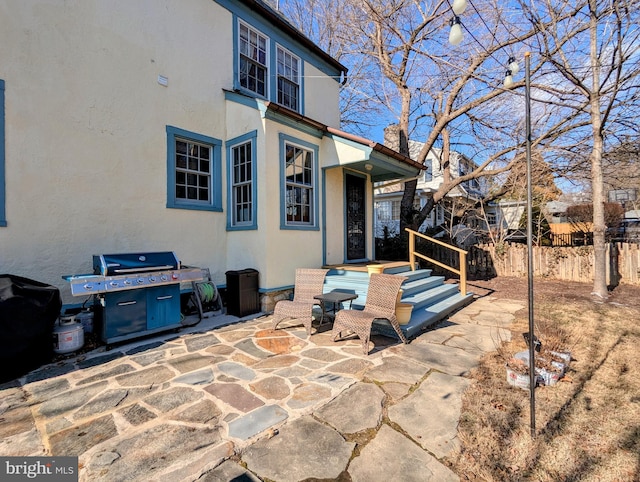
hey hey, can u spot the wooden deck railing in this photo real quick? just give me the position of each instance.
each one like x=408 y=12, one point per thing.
x=413 y=254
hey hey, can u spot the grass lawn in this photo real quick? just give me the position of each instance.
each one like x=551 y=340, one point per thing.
x=588 y=424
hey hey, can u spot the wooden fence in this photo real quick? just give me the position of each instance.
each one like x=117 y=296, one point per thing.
x=563 y=263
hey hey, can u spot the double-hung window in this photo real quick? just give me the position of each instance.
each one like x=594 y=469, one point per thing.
x=288 y=67
x=242 y=182
x=267 y=68
x=194 y=171
x=300 y=179
x=254 y=60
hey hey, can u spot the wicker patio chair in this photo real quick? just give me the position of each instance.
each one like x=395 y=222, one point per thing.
x=381 y=303
x=309 y=282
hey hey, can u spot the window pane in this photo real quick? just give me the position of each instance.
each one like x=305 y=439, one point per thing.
x=241 y=181
x=288 y=79
x=299 y=185
x=253 y=48
x=193 y=171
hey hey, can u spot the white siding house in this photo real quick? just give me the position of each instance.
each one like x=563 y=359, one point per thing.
x=388 y=195
x=196 y=126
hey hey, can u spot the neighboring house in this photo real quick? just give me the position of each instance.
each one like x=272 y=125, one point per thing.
x=201 y=127
x=504 y=215
x=389 y=195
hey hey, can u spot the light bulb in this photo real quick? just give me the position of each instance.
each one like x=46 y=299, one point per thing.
x=459 y=6
x=513 y=66
x=508 y=80
x=455 y=35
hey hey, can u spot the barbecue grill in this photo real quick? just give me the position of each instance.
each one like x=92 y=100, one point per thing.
x=137 y=293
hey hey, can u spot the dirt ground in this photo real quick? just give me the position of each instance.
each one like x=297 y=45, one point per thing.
x=587 y=425
x=517 y=289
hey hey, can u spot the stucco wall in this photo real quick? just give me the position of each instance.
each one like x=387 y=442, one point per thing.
x=319 y=89
x=86 y=142
x=85 y=130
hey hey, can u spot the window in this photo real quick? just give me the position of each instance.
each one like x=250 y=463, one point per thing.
x=193 y=168
x=299 y=179
x=428 y=173
x=253 y=47
x=395 y=210
x=383 y=210
x=3 y=219
x=288 y=79
x=242 y=186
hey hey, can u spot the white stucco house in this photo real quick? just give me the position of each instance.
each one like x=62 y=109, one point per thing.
x=388 y=195
x=205 y=127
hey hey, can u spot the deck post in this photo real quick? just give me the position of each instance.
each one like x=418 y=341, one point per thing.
x=412 y=251
x=463 y=273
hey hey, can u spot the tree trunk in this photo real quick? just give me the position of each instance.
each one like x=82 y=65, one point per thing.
x=597 y=184
x=406 y=205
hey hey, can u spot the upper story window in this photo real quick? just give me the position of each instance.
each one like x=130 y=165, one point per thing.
x=254 y=70
x=193 y=171
x=267 y=67
x=288 y=79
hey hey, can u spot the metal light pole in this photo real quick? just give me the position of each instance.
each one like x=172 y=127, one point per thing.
x=532 y=364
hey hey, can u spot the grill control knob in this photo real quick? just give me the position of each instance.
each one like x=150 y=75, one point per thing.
x=140 y=281
x=152 y=279
x=127 y=281
x=174 y=276
x=114 y=283
x=163 y=277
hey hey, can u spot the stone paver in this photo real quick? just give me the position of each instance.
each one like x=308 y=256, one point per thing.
x=430 y=414
x=213 y=400
x=303 y=449
x=357 y=408
x=403 y=460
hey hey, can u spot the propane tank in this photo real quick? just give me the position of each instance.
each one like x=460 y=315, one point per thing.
x=85 y=318
x=68 y=335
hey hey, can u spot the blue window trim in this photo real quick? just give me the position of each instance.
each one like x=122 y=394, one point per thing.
x=216 y=170
x=275 y=39
x=3 y=218
x=230 y=144
x=286 y=139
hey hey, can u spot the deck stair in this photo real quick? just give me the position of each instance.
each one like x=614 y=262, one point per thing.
x=431 y=297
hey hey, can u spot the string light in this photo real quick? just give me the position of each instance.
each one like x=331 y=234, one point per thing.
x=513 y=65
x=459 y=6
x=508 y=80
x=455 y=37
x=455 y=34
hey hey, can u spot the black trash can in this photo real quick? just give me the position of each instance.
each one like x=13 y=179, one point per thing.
x=28 y=312
x=242 y=292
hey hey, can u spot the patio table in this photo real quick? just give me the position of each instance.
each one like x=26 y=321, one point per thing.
x=335 y=298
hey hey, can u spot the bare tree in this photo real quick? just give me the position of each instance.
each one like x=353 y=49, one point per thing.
x=584 y=66
x=593 y=85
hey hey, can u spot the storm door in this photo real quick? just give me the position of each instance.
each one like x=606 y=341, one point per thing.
x=355 y=210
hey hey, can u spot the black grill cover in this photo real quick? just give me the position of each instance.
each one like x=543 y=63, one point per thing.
x=28 y=312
